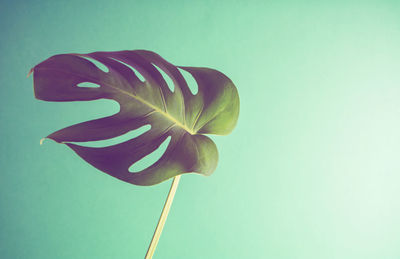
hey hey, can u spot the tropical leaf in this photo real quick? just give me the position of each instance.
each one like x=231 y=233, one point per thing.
x=178 y=114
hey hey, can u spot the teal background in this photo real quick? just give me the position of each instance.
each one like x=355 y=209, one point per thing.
x=311 y=171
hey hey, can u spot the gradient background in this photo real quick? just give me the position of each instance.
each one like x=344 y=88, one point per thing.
x=311 y=171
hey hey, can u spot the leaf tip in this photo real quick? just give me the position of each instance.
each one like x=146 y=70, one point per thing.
x=42 y=140
x=30 y=72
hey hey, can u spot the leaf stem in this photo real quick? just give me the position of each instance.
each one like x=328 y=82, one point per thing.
x=163 y=217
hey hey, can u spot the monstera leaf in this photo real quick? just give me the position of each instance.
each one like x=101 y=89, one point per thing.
x=178 y=114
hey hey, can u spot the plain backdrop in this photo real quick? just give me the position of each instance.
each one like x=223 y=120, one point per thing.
x=311 y=170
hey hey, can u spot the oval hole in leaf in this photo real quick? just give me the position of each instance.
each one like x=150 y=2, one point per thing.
x=116 y=140
x=137 y=73
x=88 y=84
x=167 y=79
x=151 y=158
x=98 y=64
x=190 y=81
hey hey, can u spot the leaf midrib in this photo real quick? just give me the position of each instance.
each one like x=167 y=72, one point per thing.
x=167 y=115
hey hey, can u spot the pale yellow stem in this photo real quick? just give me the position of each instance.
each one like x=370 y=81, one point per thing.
x=163 y=218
